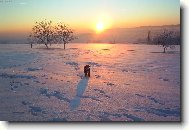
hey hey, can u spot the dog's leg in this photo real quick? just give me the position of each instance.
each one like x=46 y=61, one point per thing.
x=89 y=74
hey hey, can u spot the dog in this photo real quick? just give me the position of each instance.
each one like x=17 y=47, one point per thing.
x=87 y=70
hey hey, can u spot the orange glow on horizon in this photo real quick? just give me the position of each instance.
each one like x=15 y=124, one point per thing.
x=98 y=25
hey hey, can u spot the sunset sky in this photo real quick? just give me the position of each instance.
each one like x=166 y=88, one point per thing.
x=20 y=15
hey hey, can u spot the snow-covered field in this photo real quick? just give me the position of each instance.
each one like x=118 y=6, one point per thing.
x=128 y=83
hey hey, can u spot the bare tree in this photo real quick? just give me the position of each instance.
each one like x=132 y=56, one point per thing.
x=64 y=34
x=42 y=33
x=166 y=40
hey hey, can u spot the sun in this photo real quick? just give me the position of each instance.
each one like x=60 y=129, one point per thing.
x=100 y=27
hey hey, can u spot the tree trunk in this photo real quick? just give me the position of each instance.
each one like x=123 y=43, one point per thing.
x=64 y=45
x=46 y=46
x=164 y=50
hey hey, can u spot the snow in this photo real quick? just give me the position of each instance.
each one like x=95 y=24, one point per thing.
x=128 y=82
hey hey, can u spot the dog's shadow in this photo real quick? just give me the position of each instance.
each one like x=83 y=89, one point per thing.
x=81 y=87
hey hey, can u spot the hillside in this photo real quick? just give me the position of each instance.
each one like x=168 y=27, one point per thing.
x=126 y=35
